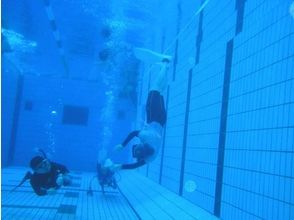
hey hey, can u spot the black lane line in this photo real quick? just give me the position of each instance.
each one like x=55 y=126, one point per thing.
x=223 y=129
x=240 y=8
x=199 y=38
x=163 y=137
x=28 y=207
x=25 y=191
x=86 y=190
x=184 y=144
x=64 y=188
x=16 y=113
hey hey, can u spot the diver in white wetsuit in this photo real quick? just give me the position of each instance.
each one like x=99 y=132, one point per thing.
x=150 y=135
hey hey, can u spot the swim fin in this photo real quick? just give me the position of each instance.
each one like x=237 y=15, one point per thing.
x=150 y=56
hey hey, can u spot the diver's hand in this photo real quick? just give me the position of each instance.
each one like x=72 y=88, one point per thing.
x=118 y=147
x=51 y=191
x=59 y=180
x=115 y=167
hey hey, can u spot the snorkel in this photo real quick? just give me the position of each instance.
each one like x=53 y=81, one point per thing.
x=42 y=152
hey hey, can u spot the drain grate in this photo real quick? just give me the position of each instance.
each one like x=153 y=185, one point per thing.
x=67 y=209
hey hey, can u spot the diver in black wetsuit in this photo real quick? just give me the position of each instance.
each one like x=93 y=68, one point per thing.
x=48 y=176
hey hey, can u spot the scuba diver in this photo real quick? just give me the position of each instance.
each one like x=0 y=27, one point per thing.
x=47 y=177
x=151 y=135
x=105 y=177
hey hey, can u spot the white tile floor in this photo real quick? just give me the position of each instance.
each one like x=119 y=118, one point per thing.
x=137 y=198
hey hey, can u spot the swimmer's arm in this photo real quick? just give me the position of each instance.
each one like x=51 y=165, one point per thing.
x=133 y=165
x=130 y=137
x=61 y=168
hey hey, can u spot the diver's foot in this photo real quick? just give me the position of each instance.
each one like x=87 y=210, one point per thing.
x=108 y=163
x=166 y=60
x=115 y=167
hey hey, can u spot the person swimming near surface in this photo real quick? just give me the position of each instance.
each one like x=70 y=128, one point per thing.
x=150 y=135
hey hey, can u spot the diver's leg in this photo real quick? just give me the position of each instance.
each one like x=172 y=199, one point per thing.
x=155 y=108
x=161 y=80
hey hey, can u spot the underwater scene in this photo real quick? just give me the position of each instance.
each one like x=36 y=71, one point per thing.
x=147 y=109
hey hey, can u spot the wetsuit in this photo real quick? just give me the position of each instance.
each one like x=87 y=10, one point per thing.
x=151 y=133
x=42 y=182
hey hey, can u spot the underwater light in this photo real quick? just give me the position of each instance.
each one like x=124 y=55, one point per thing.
x=54 y=112
x=190 y=186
